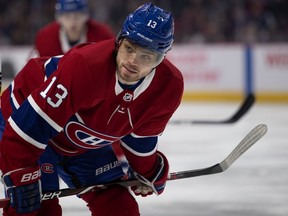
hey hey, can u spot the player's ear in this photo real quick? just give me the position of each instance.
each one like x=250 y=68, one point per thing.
x=118 y=41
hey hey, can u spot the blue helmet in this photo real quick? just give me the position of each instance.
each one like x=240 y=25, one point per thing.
x=150 y=27
x=63 y=6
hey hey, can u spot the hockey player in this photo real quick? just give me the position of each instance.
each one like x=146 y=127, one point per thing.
x=126 y=91
x=72 y=26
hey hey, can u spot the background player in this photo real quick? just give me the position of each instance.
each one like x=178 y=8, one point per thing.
x=70 y=121
x=72 y=26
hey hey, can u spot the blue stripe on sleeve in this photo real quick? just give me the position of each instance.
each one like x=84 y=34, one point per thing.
x=52 y=65
x=32 y=124
x=143 y=146
x=2 y=124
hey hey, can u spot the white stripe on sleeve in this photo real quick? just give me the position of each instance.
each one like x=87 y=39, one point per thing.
x=44 y=115
x=139 y=153
x=14 y=100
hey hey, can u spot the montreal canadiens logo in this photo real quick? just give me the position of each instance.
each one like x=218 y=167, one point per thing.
x=87 y=138
x=47 y=168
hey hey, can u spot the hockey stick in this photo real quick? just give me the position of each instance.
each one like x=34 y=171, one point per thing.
x=246 y=105
x=252 y=137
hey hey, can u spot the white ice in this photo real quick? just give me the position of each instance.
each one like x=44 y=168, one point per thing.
x=255 y=185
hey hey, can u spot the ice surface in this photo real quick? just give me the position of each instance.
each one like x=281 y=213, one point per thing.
x=255 y=185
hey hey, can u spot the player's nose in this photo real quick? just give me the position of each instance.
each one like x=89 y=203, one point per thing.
x=132 y=59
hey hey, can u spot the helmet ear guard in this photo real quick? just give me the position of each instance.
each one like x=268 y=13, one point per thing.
x=149 y=27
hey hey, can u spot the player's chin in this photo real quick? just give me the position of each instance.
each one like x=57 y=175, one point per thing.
x=128 y=77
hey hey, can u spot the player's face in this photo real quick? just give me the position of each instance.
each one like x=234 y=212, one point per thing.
x=73 y=23
x=135 y=62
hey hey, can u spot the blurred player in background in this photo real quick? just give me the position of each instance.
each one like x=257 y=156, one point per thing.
x=72 y=26
x=127 y=91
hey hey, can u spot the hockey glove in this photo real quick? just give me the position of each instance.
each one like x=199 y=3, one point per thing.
x=23 y=187
x=157 y=183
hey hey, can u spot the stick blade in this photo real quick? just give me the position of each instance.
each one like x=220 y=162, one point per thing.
x=245 y=106
x=250 y=139
x=243 y=109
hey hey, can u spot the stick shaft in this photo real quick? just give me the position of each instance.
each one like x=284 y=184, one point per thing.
x=252 y=137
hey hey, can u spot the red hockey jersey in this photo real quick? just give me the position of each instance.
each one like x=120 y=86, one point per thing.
x=83 y=105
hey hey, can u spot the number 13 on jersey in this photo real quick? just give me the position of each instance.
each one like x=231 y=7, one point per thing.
x=58 y=97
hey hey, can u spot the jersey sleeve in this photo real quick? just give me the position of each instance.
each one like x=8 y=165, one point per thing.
x=64 y=92
x=43 y=115
x=28 y=79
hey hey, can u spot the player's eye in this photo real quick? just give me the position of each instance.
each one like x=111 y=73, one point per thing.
x=129 y=49
x=146 y=57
